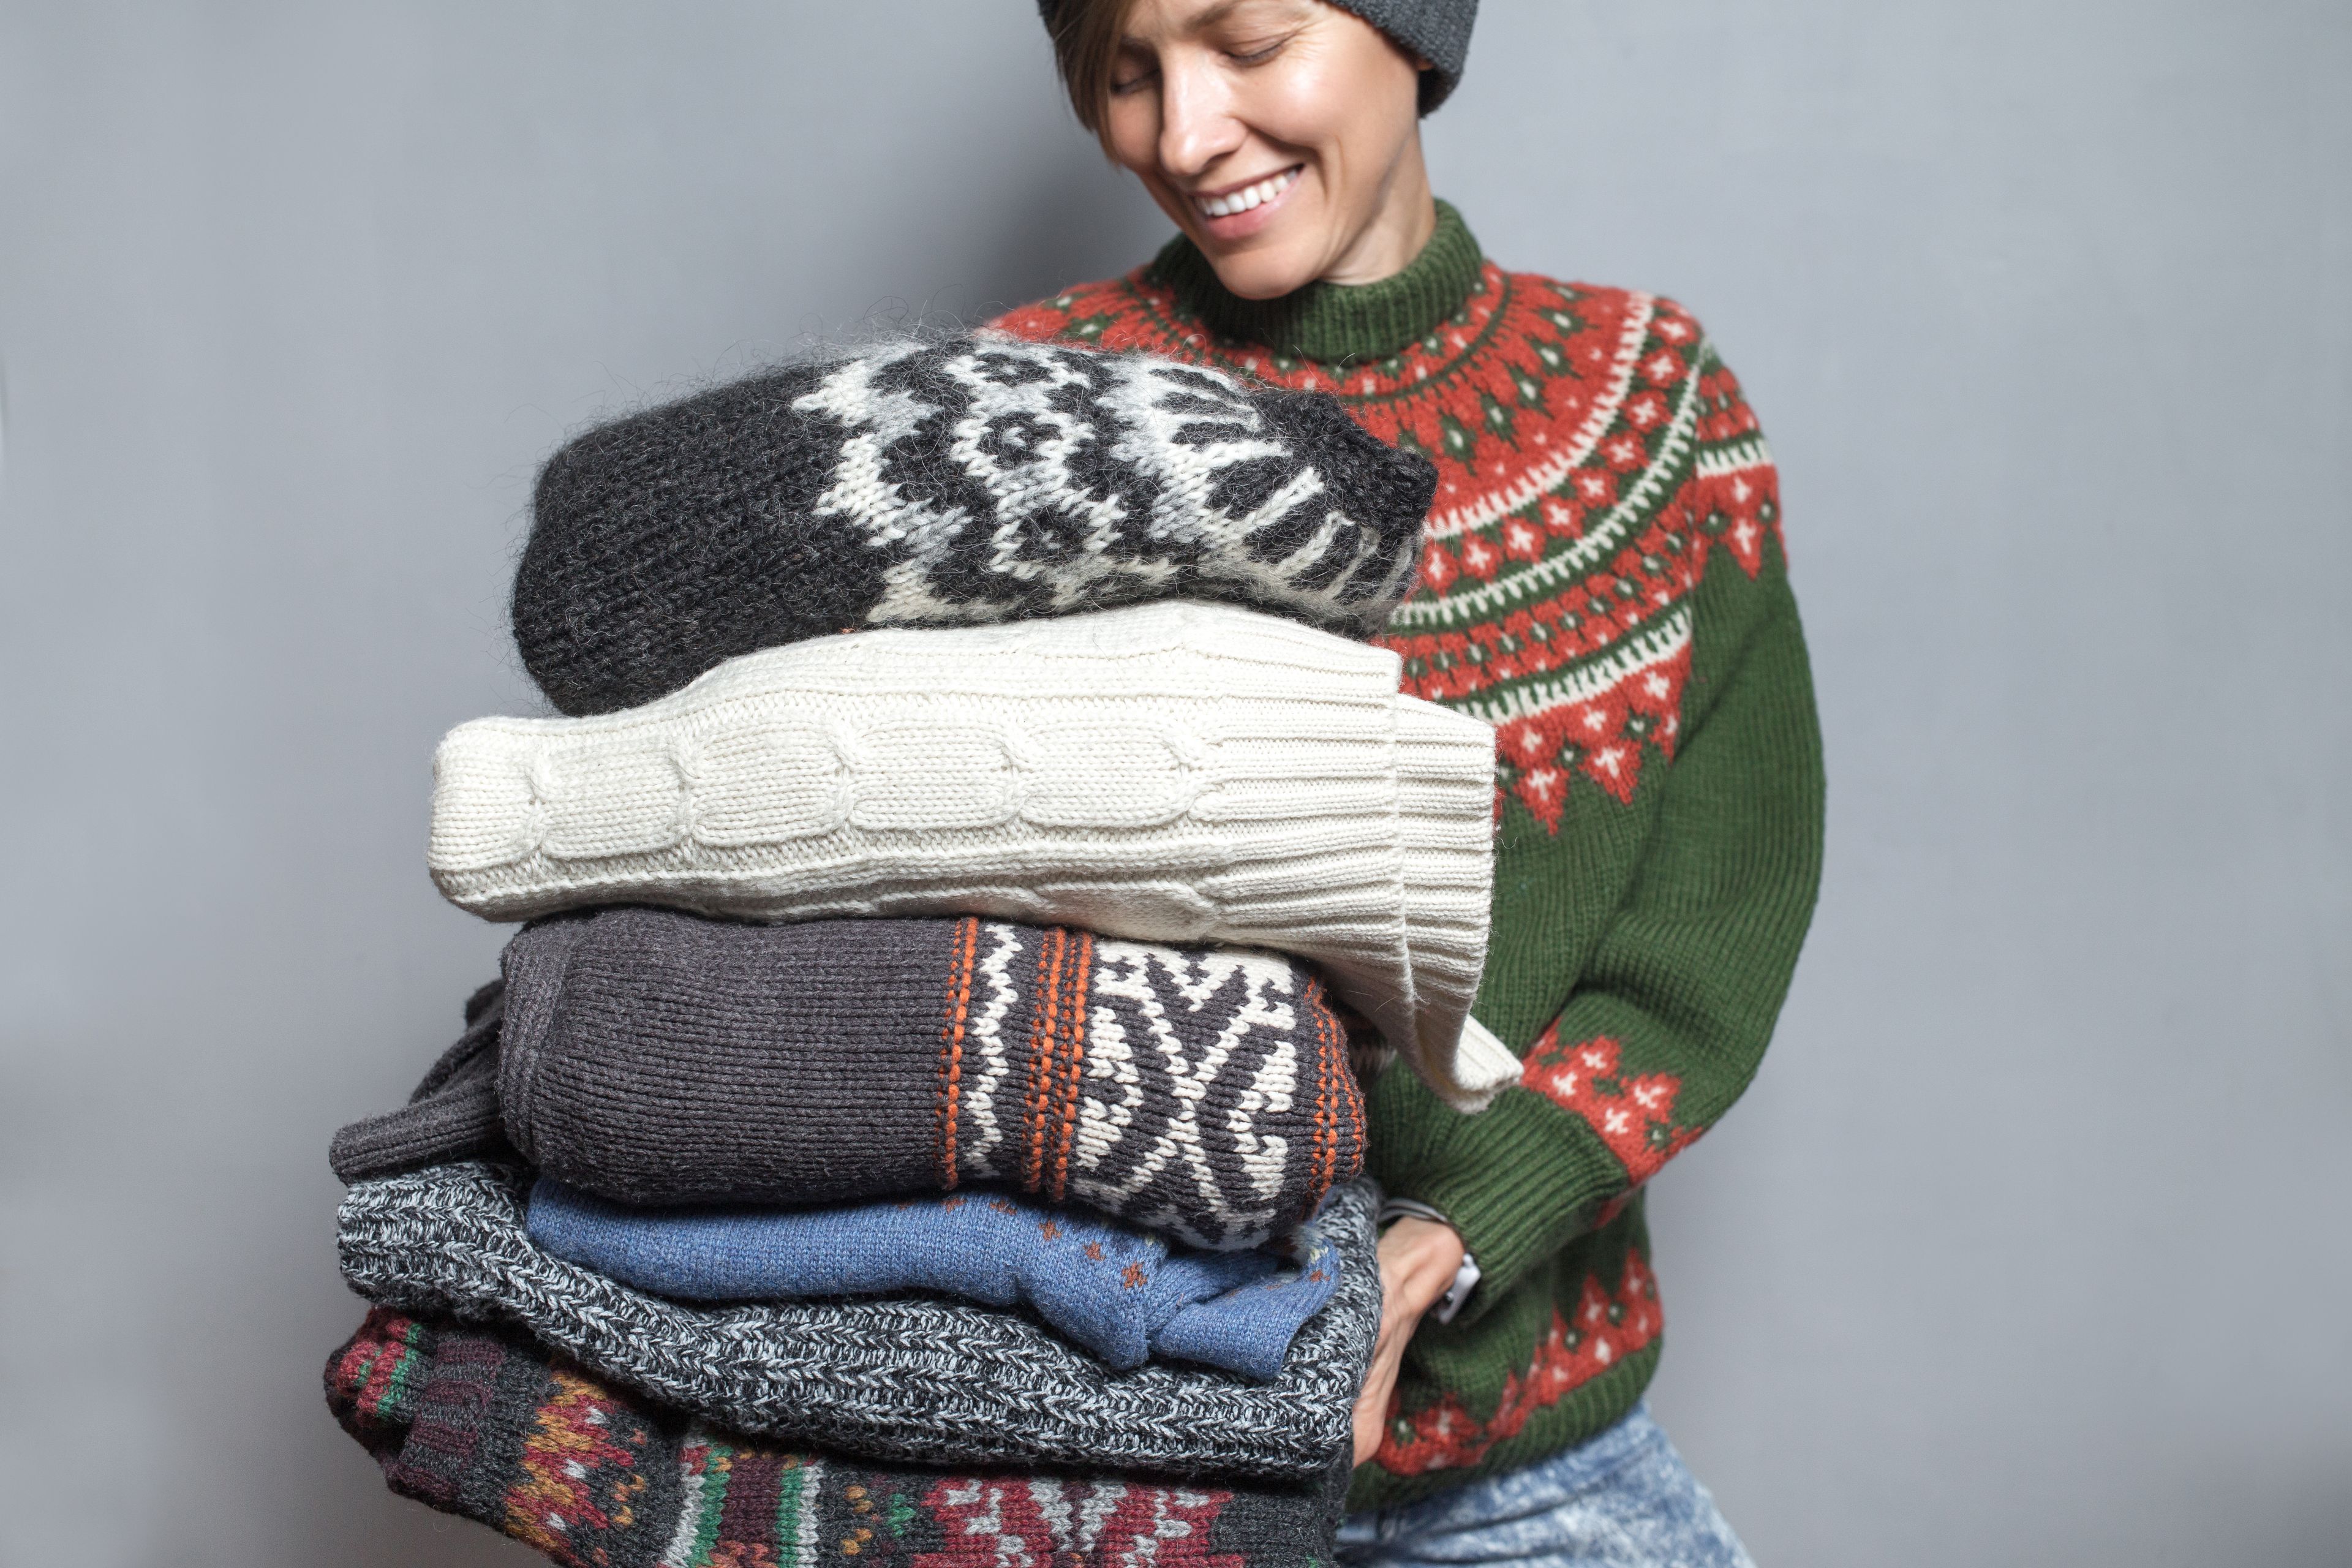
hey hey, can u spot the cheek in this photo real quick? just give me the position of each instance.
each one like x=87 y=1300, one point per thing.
x=1302 y=108
x=1134 y=126
x=1334 y=106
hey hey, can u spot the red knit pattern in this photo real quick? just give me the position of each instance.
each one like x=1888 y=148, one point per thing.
x=990 y=1521
x=577 y=1482
x=1592 y=457
x=1608 y=1327
x=1632 y=1112
x=1572 y=518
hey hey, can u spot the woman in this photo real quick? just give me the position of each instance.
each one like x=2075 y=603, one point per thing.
x=1603 y=581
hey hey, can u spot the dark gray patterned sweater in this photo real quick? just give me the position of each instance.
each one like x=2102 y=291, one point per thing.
x=949 y=483
x=651 y=1057
x=489 y=1425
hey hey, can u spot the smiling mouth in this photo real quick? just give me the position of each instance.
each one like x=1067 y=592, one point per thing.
x=1226 y=203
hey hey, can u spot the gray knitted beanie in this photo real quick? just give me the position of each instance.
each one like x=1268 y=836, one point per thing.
x=1437 y=30
x=952 y=482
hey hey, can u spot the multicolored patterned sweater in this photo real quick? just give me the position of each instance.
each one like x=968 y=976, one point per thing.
x=488 y=1426
x=1602 y=580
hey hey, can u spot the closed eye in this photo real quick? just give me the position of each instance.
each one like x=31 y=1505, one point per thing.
x=1258 y=56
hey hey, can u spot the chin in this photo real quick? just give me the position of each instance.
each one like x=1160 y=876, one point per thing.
x=1266 y=274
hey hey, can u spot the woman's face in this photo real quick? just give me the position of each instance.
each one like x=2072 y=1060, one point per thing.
x=1282 y=135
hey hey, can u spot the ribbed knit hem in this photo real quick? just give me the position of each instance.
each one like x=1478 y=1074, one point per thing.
x=1333 y=322
x=1580 y=1418
x=1517 y=1180
x=1444 y=789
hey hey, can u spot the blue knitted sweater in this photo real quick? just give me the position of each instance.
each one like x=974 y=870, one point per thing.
x=1125 y=1295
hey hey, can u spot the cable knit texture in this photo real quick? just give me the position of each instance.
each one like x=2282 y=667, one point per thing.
x=905 y=1379
x=490 y=1428
x=1175 y=772
x=948 y=483
x=1123 y=1294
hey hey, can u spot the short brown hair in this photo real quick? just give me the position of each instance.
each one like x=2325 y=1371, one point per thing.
x=1086 y=46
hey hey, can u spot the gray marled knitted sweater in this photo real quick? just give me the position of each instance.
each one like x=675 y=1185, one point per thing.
x=909 y=1379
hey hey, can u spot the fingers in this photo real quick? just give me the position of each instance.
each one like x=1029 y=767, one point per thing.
x=1380 y=1382
x=1371 y=1411
x=1418 y=1260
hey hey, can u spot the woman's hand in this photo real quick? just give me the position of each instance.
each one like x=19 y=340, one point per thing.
x=1419 y=1258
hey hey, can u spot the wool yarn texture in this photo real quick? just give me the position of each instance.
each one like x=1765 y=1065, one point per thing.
x=1606 y=582
x=1171 y=772
x=657 y=1058
x=955 y=483
x=903 y=1378
x=453 y=1112
x=1437 y=30
x=489 y=1426
x=1122 y=1293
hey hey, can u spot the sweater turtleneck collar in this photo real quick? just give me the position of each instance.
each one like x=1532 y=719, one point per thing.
x=1335 y=322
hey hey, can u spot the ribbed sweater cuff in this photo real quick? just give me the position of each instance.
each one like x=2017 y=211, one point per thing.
x=1445 y=774
x=1517 y=1180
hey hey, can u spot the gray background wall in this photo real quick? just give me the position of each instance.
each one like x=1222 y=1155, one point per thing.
x=2029 y=1245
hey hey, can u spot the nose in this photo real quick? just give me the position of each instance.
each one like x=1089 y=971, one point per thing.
x=1197 y=125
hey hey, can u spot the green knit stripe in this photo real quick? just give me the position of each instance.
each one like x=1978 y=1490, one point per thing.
x=705 y=1500
x=376 y=1367
x=397 y=1394
x=797 y=1499
x=1335 y=322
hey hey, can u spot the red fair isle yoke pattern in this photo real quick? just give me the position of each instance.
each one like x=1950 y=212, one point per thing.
x=1633 y=1113
x=1604 y=1329
x=1592 y=453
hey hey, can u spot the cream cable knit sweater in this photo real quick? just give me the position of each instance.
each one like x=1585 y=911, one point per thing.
x=1171 y=772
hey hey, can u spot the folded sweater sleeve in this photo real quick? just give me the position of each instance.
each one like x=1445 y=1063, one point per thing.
x=1667 y=1015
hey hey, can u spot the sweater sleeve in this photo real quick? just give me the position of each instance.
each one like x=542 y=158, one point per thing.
x=1668 y=1012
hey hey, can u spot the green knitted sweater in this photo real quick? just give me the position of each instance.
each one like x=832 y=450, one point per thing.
x=1604 y=582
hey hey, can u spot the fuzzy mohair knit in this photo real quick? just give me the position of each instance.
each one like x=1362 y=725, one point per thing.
x=657 y=1058
x=948 y=483
x=491 y=1426
x=906 y=1378
x=1167 y=772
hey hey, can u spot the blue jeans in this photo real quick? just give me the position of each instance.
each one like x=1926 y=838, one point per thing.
x=1625 y=1500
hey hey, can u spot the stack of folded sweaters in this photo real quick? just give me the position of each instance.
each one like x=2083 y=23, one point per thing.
x=920 y=1120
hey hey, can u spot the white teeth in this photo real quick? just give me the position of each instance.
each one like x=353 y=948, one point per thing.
x=1249 y=196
